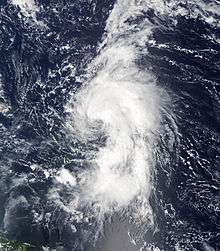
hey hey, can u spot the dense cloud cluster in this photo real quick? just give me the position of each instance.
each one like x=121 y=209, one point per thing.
x=65 y=67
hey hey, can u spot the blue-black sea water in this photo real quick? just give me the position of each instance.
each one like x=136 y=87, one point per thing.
x=47 y=54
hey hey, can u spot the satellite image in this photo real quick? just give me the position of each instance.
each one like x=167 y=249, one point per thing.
x=109 y=125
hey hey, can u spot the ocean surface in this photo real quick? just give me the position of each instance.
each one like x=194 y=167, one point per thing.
x=109 y=124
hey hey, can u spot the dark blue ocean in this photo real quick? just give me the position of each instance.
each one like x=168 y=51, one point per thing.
x=77 y=115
